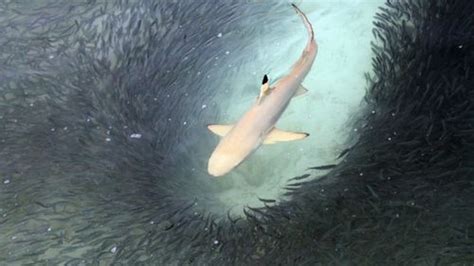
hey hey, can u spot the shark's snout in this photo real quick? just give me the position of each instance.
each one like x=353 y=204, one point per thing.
x=221 y=163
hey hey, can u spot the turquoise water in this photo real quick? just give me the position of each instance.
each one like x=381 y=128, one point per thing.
x=336 y=87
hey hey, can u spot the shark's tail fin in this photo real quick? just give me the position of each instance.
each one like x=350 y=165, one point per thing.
x=306 y=22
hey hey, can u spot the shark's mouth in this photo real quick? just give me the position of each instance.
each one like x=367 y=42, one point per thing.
x=103 y=143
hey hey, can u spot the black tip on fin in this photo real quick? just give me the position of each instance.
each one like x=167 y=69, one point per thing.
x=293 y=5
x=265 y=79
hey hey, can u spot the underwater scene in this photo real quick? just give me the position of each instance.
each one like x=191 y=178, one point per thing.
x=237 y=132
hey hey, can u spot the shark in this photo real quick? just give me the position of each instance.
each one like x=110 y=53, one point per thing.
x=257 y=126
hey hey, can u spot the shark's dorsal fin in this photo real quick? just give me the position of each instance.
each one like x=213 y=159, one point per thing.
x=277 y=135
x=265 y=79
x=220 y=130
x=264 y=89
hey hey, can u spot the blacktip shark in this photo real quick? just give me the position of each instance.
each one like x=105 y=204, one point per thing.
x=257 y=125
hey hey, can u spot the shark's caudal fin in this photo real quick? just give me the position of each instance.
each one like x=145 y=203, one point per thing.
x=220 y=130
x=277 y=135
x=306 y=22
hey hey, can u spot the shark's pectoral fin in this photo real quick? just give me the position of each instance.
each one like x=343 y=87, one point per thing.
x=220 y=130
x=300 y=91
x=277 y=135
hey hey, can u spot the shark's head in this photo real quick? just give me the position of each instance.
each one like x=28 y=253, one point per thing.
x=222 y=162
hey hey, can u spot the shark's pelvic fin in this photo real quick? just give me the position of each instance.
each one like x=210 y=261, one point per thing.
x=220 y=130
x=277 y=135
x=264 y=89
x=301 y=90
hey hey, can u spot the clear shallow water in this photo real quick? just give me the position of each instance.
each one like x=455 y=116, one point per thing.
x=336 y=87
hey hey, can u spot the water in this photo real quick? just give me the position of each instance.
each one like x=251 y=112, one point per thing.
x=104 y=145
x=336 y=86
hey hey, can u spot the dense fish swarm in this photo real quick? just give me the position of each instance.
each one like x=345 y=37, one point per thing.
x=94 y=100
